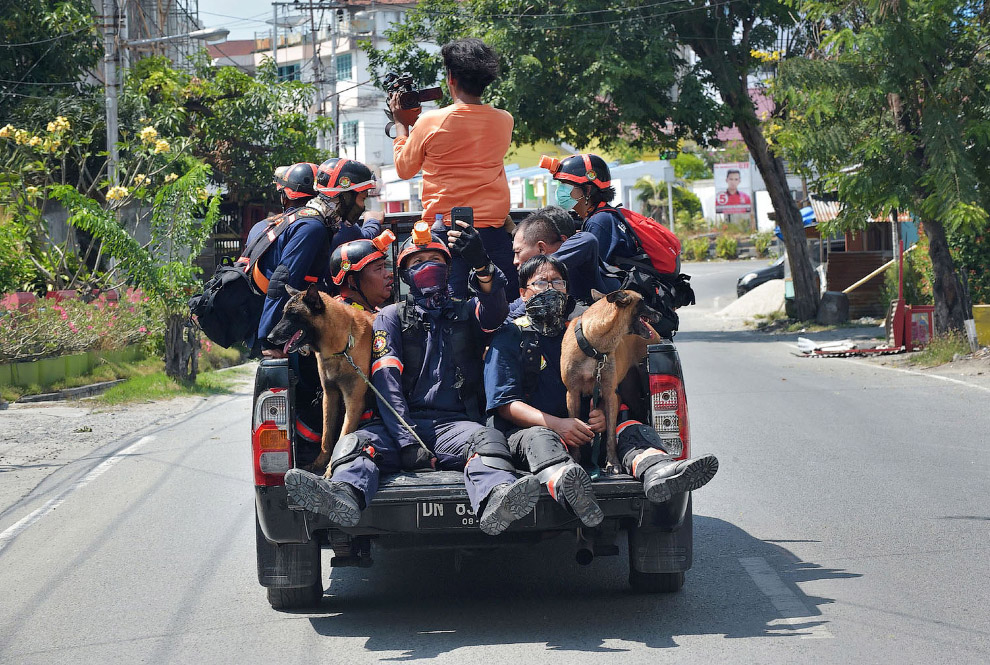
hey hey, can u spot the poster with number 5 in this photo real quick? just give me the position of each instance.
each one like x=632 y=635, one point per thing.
x=733 y=191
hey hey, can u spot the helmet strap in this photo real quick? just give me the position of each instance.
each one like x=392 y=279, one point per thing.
x=355 y=287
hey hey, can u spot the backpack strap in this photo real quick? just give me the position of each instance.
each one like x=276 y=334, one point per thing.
x=529 y=343
x=412 y=335
x=277 y=225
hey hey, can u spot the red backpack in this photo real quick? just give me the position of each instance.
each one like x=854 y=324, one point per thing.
x=655 y=239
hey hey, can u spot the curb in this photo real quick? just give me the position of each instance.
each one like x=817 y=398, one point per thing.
x=71 y=393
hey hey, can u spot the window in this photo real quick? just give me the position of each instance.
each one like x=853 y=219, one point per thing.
x=349 y=132
x=344 y=67
x=288 y=72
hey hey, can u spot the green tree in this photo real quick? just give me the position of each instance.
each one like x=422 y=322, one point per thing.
x=689 y=166
x=891 y=112
x=242 y=126
x=653 y=196
x=589 y=71
x=48 y=46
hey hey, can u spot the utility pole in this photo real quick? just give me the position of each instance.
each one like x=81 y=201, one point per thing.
x=335 y=114
x=110 y=58
x=275 y=37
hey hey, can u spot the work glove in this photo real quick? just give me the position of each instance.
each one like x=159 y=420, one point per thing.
x=467 y=244
x=416 y=458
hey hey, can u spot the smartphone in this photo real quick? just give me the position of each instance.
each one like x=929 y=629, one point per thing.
x=461 y=214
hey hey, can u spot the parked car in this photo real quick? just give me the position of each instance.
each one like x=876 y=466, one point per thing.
x=754 y=278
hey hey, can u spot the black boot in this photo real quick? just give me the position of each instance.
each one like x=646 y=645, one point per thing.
x=338 y=501
x=667 y=478
x=570 y=486
x=509 y=502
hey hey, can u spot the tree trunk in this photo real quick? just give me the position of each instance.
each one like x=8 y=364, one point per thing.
x=806 y=293
x=181 y=348
x=950 y=303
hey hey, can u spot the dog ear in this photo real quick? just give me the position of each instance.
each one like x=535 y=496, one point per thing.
x=596 y=295
x=291 y=291
x=620 y=298
x=313 y=299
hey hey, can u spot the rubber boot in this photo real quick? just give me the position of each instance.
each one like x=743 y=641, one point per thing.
x=509 y=502
x=570 y=486
x=667 y=478
x=337 y=501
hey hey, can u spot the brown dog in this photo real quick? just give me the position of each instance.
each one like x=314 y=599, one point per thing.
x=609 y=334
x=331 y=328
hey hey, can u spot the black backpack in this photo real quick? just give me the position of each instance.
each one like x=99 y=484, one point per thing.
x=230 y=306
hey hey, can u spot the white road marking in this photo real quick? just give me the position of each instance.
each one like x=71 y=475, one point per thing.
x=791 y=609
x=15 y=529
x=912 y=371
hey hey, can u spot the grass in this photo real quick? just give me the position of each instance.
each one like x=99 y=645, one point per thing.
x=157 y=386
x=942 y=349
x=105 y=371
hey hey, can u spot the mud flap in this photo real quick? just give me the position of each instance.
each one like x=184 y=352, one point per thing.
x=655 y=549
x=287 y=566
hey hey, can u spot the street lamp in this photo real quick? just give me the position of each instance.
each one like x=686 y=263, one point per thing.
x=110 y=59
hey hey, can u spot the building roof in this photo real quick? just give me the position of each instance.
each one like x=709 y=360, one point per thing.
x=764 y=107
x=231 y=49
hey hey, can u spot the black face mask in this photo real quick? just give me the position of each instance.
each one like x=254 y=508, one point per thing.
x=548 y=311
x=349 y=210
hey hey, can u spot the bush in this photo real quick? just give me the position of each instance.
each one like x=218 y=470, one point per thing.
x=763 y=241
x=47 y=328
x=696 y=249
x=726 y=247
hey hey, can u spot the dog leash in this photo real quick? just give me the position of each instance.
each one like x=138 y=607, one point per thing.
x=381 y=399
x=596 y=392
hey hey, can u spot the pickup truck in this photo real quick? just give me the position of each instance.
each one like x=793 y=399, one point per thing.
x=430 y=510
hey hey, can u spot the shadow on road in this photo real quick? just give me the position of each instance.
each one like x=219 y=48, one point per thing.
x=418 y=605
x=756 y=337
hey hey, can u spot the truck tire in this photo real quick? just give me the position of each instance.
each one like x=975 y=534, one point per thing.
x=296 y=599
x=653 y=582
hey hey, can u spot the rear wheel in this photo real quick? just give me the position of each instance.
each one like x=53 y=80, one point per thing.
x=296 y=599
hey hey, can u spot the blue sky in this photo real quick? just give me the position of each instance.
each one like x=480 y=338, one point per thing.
x=242 y=17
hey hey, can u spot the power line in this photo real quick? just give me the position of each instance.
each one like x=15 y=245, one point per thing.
x=50 y=39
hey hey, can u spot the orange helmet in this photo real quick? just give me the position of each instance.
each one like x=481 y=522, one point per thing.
x=421 y=240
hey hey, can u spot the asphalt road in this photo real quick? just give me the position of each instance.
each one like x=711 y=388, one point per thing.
x=849 y=523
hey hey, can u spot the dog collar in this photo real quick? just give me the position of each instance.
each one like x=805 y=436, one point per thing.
x=350 y=343
x=584 y=344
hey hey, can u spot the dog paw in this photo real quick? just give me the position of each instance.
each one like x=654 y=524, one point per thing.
x=613 y=467
x=318 y=469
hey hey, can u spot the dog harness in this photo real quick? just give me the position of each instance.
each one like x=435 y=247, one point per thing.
x=596 y=393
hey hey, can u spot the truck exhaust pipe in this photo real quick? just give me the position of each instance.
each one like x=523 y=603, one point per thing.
x=585 y=553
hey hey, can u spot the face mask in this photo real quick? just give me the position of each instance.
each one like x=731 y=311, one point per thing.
x=563 y=196
x=349 y=209
x=427 y=281
x=548 y=311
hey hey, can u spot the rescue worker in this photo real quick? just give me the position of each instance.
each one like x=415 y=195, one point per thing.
x=526 y=398
x=461 y=150
x=584 y=184
x=426 y=363
x=360 y=269
x=540 y=233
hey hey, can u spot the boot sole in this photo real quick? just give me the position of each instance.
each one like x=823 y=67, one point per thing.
x=693 y=476
x=517 y=502
x=307 y=490
x=575 y=484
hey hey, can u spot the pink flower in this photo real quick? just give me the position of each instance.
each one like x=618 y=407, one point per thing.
x=72 y=327
x=89 y=327
x=142 y=329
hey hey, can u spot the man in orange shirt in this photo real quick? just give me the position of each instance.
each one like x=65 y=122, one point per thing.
x=461 y=150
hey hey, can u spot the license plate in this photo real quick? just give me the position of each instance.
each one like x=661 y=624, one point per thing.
x=440 y=515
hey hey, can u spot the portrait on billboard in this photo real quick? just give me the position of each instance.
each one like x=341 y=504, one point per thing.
x=733 y=189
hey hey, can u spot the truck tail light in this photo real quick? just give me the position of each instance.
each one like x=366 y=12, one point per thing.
x=668 y=403
x=270 y=441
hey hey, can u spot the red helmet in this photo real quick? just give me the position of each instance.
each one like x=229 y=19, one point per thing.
x=421 y=240
x=579 y=169
x=355 y=255
x=337 y=175
x=296 y=181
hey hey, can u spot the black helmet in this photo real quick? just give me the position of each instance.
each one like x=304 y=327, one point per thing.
x=355 y=255
x=337 y=175
x=421 y=240
x=579 y=169
x=296 y=181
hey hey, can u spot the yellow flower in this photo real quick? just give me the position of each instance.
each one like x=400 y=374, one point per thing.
x=31 y=191
x=6 y=131
x=161 y=145
x=34 y=141
x=116 y=193
x=141 y=179
x=59 y=124
x=149 y=134
x=171 y=177
x=51 y=145
x=202 y=195
x=20 y=136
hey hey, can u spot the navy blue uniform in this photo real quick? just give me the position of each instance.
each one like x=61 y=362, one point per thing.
x=430 y=401
x=615 y=240
x=584 y=271
x=505 y=372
